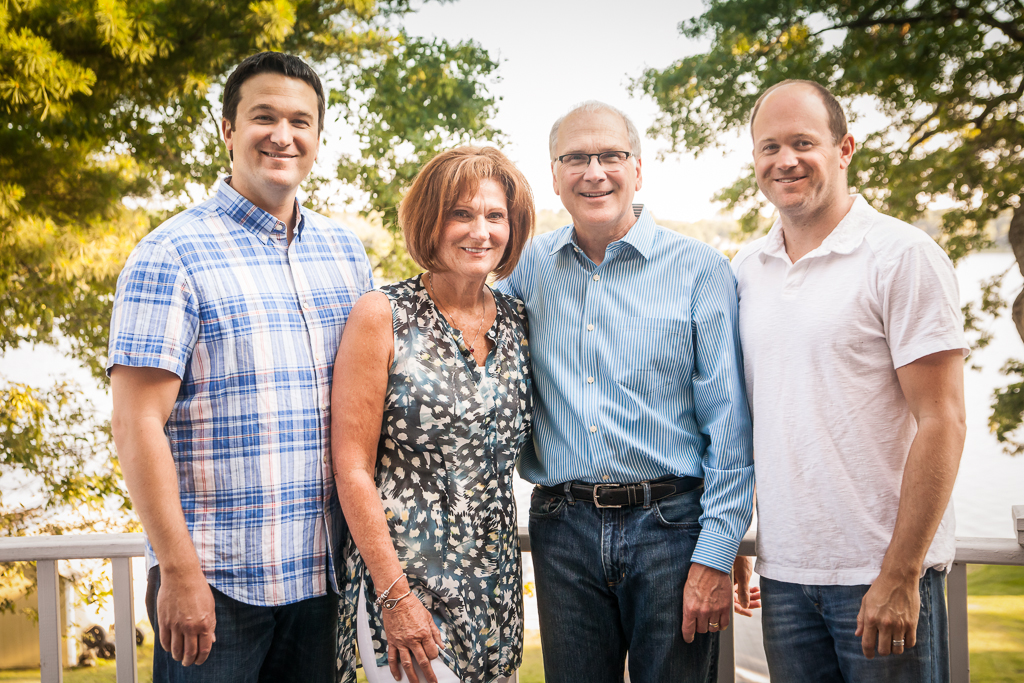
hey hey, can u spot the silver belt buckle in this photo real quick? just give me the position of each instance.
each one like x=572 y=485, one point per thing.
x=597 y=491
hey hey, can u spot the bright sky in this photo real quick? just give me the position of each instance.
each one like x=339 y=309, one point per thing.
x=555 y=54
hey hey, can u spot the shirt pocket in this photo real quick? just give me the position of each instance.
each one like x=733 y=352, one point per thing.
x=651 y=354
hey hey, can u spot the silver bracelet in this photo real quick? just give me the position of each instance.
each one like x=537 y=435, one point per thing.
x=393 y=602
x=384 y=596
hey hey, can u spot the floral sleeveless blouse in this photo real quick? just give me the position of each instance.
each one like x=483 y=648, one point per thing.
x=450 y=439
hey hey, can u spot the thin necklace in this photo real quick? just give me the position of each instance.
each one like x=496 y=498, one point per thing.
x=483 y=313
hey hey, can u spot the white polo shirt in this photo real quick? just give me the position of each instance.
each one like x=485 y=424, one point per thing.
x=822 y=339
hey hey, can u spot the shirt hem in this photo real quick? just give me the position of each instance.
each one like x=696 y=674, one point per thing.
x=938 y=345
x=861 y=576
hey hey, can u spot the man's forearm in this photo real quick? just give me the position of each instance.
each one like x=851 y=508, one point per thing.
x=928 y=480
x=186 y=610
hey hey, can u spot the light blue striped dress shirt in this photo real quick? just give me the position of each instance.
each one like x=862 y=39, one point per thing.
x=638 y=372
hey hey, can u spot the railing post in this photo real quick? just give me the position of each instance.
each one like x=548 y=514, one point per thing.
x=956 y=607
x=51 y=669
x=124 y=620
x=727 y=651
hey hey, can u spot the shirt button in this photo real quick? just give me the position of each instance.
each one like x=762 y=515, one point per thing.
x=593 y=428
x=590 y=380
x=597 y=277
x=590 y=328
x=306 y=305
x=606 y=477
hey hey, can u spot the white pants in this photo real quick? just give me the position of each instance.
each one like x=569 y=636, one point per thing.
x=382 y=674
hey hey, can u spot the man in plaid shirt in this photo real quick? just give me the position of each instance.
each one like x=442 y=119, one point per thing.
x=226 y=323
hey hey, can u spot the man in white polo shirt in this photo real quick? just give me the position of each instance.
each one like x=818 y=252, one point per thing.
x=853 y=349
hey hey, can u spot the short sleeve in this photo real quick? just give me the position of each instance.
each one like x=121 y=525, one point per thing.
x=155 y=321
x=921 y=305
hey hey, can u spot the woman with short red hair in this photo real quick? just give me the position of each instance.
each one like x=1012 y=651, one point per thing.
x=431 y=405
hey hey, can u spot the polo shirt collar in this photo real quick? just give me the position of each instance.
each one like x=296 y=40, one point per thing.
x=265 y=226
x=844 y=238
x=640 y=235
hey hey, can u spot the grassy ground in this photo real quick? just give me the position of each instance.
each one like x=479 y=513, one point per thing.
x=532 y=670
x=995 y=618
x=105 y=671
x=995 y=613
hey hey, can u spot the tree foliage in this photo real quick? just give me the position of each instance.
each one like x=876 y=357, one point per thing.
x=51 y=445
x=947 y=75
x=421 y=98
x=59 y=476
x=110 y=119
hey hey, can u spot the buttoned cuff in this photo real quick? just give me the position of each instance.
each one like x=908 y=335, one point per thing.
x=715 y=551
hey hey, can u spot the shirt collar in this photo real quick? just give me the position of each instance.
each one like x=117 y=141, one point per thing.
x=251 y=217
x=844 y=238
x=640 y=235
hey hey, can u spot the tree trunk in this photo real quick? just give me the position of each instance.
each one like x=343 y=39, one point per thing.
x=1016 y=237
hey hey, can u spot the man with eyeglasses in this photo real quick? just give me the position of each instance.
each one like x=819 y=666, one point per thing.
x=642 y=444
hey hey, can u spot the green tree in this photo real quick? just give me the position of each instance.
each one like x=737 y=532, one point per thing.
x=110 y=118
x=947 y=74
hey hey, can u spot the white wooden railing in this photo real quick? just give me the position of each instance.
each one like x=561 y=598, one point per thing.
x=45 y=551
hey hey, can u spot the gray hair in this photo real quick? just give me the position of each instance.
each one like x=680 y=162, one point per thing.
x=592 y=107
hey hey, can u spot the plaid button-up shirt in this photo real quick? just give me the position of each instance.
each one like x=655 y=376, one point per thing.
x=251 y=324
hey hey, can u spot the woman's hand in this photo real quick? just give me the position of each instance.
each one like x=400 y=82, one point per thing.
x=412 y=636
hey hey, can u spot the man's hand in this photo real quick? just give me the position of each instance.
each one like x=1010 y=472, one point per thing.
x=185 y=610
x=888 y=612
x=746 y=598
x=707 y=601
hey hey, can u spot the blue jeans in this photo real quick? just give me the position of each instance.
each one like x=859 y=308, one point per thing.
x=809 y=635
x=610 y=581
x=255 y=644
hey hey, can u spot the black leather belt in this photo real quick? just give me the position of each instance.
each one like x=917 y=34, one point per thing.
x=625 y=495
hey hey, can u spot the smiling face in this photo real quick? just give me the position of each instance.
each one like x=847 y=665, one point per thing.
x=476 y=232
x=274 y=139
x=598 y=199
x=799 y=167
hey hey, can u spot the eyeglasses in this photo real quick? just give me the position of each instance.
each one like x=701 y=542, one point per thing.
x=580 y=162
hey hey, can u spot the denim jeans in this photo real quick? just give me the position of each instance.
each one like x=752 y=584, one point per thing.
x=610 y=581
x=255 y=644
x=809 y=635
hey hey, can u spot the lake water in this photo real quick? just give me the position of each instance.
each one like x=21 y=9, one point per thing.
x=988 y=484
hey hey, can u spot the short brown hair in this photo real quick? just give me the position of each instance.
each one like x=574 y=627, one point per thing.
x=836 y=116
x=271 y=62
x=439 y=186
